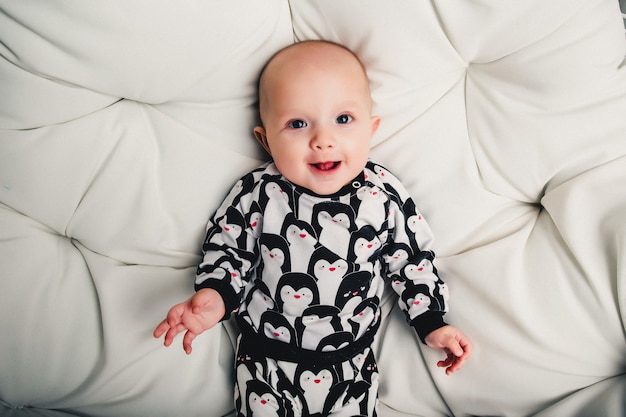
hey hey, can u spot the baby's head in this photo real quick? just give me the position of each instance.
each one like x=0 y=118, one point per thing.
x=315 y=107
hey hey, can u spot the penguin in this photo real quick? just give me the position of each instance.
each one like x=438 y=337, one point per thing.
x=302 y=241
x=295 y=292
x=422 y=273
x=416 y=228
x=275 y=257
x=262 y=401
x=366 y=314
x=398 y=285
x=327 y=266
x=257 y=302
x=254 y=220
x=352 y=291
x=315 y=382
x=371 y=208
x=219 y=258
x=329 y=269
x=218 y=272
x=418 y=305
x=396 y=256
x=275 y=326
x=229 y=231
x=335 y=341
x=334 y=222
x=349 y=397
x=364 y=245
x=275 y=202
x=442 y=296
x=317 y=322
x=389 y=181
x=365 y=363
x=242 y=187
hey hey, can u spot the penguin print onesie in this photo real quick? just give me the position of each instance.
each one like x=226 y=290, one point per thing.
x=304 y=275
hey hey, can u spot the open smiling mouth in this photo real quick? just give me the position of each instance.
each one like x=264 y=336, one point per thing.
x=326 y=166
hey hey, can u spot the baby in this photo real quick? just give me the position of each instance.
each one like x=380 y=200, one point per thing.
x=302 y=249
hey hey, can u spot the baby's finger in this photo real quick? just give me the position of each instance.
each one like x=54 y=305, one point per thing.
x=161 y=328
x=172 y=333
x=456 y=365
x=187 y=340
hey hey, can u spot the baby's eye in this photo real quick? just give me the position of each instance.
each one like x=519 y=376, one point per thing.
x=343 y=119
x=297 y=124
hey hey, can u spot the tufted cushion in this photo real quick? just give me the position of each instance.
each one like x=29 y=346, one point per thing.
x=509 y=127
x=123 y=125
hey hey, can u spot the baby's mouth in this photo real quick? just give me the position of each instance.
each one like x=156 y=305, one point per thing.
x=326 y=166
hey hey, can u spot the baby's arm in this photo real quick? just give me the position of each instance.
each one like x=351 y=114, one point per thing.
x=454 y=343
x=200 y=312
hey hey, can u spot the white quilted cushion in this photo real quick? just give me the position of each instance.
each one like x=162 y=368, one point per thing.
x=130 y=122
x=507 y=122
x=123 y=124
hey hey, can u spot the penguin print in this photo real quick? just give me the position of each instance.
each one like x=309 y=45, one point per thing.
x=335 y=341
x=353 y=401
x=398 y=285
x=315 y=323
x=254 y=220
x=275 y=203
x=295 y=292
x=365 y=316
x=397 y=256
x=224 y=268
x=211 y=271
x=242 y=187
x=315 y=382
x=364 y=244
x=442 y=296
x=302 y=241
x=258 y=301
x=353 y=290
x=422 y=273
x=390 y=182
x=229 y=231
x=366 y=362
x=328 y=269
x=327 y=266
x=418 y=305
x=275 y=256
x=333 y=223
x=262 y=401
x=372 y=209
x=245 y=368
x=310 y=271
x=416 y=228
x=276 y=327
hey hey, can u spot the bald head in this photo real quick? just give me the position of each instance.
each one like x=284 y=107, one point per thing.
x=309 y=59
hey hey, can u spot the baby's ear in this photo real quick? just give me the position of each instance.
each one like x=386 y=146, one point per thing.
x=375 y=123
x=261 y=137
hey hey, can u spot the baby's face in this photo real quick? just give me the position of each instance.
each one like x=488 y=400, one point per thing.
x=316 y=111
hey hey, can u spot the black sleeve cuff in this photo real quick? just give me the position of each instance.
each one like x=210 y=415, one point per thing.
x=427 y=322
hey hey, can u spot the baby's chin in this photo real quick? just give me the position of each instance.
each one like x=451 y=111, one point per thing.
x=325 y=178
x=326 y=188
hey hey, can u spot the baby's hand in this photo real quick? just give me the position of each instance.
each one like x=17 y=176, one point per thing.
x=454 y=343
x=195 y=315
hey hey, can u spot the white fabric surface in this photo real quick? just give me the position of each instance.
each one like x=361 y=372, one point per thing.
x=123 y=125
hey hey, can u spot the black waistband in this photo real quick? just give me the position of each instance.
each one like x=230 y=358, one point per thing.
x=257 y=345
